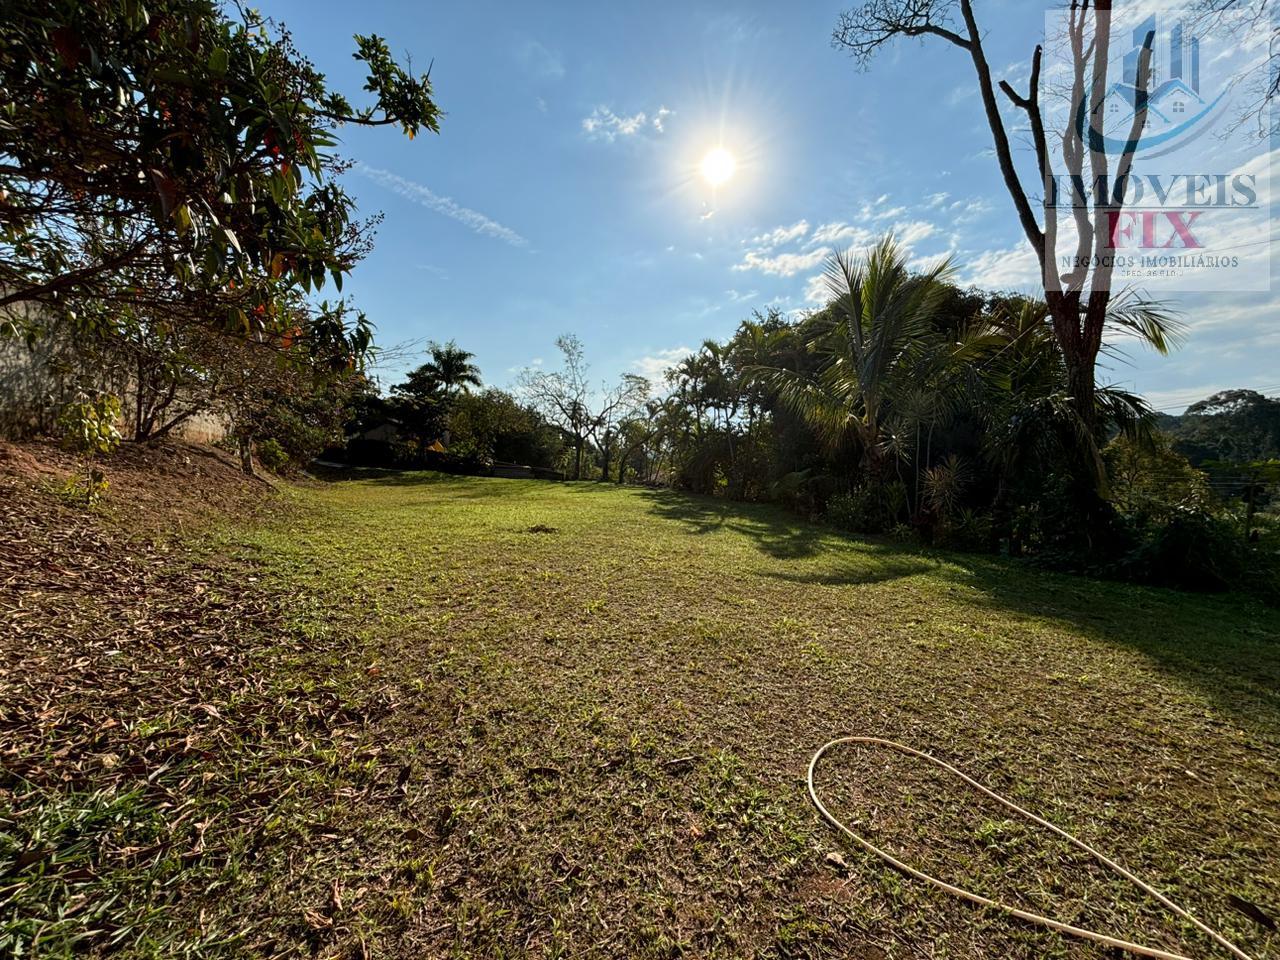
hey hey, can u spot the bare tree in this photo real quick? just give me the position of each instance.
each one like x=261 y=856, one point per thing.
x=563 y=396
x=1260 y=85
x=568 y=401
x=619 y=404
x=1077 y=296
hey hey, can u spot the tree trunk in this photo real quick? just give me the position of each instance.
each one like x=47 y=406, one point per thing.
x=1081 y=382
x=244 y=443
x=577 y=458
x=137 y=403
x=1079 y=346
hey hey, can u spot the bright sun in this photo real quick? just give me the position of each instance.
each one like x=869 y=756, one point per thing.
x=718 y=166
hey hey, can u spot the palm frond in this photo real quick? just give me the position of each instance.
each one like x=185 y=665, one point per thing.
x=825 y=409
x=1151 y=321
x=1128 y=412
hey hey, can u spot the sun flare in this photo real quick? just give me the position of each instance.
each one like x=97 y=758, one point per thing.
x=718 y=166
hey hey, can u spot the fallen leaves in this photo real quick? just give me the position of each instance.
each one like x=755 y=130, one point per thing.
x=149 y=738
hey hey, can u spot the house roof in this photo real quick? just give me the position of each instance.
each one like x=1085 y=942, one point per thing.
x=1172 y=86
x=1129 y=94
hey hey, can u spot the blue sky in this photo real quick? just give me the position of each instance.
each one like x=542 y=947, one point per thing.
x=563 y=194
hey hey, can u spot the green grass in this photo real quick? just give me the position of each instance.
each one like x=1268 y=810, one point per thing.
x=510 y=719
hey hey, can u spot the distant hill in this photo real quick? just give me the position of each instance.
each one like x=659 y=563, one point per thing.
x=1235 y=425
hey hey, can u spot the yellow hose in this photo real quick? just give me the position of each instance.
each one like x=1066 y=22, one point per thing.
x=1052 y=924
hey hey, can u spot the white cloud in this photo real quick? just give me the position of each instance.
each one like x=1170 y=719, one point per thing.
x=780 y=235
x=965 y=211
x=1014 y=269
x=840 y=234
x=910 y=232
x=424 y=196
x=816 y=290
x=655 y=366
x=877 y=209
x=926 y=263
x=781 y=264
x=604 y=124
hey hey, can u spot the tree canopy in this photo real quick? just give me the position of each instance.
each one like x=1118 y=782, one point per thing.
x=171 y=156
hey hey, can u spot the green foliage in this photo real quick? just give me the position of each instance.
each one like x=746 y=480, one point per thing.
x=969 y=529
x=878 y=324
x=1193 y=550
x=944 y=486
x=1232 y=425
x=89 y=430
x=1151 y=482
x=449 y=370
x=89 y=424
x=302 y=416
x=174 y=136
x=271 y=455
x=868 y=508
x=493 y=426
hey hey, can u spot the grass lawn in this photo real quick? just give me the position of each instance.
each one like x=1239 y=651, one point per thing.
x=426 y=716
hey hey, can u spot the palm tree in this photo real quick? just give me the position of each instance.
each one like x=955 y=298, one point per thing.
x=451 y=367
x=1028 y=407
x=1034 y=435
x=871 y=340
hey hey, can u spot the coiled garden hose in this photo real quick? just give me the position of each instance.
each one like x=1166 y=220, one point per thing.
x=1052 y=924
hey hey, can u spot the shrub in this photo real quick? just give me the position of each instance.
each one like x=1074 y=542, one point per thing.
x=1195 y=550
x=89 y=430
x=869 y=508
x=272 y=456
x=968 y=529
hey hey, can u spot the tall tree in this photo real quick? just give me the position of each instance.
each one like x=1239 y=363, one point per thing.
x=879 y=318
x=451 y=367
x=566 y=398
x=1078 y=297
x=563 y=396
x=447 y=372
x=172 y=137
x=618 y=404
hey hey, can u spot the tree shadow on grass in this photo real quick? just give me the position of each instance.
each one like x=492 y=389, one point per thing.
x=782 y=535
x=1225 y=646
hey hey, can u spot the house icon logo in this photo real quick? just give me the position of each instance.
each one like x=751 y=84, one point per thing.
x=1177 y=109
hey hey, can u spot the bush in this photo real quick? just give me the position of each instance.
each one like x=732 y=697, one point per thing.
x=871 y=508
x=89 y=430
x=272 y=456
x=1195 y=550
x=971 y=530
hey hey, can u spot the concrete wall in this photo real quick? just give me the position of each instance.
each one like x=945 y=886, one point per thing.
x=35 y=381
x=38 y=379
